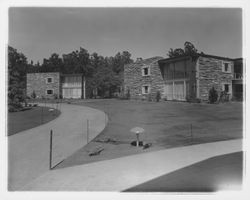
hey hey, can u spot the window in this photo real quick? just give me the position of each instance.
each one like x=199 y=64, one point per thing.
x=145 y=89
x=145 y=71
x=226 y=67
x=49 y=80
x=49 y=91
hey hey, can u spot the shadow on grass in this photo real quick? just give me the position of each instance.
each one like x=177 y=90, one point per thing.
x=214 y=174
x=24 y=120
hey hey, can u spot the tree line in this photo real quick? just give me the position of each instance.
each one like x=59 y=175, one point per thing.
x=102 y=73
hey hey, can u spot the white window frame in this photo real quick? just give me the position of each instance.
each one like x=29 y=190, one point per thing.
x=48 y=90
x=148 y=67
x=229 y=67
x=143 y=89
x=52 y=80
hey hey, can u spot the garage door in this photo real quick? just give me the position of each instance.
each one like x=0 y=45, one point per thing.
x=74 y=93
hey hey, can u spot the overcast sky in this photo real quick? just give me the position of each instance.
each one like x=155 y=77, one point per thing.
x=144 y=32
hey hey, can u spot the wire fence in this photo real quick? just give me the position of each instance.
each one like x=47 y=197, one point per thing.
x=63 y=144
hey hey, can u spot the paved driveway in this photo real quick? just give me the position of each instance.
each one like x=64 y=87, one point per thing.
x=122 y=173
x=28 y=151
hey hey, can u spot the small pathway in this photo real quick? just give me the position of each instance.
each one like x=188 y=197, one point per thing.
x=126 y=172
x=28 y=151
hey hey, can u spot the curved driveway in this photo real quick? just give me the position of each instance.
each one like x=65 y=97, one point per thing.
x=28 y=151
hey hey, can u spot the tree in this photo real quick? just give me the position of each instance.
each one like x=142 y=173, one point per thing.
x=176 y=53
x=17 y=66
x=53 y=64
x=189 y=50
x=120 y=60
x=78 y=62
x=105 y=79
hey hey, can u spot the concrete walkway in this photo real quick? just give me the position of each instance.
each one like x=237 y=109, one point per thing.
x=28 y=151
x=123 y=173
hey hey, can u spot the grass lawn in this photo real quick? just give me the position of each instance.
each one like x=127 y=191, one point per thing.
x=23 y=120
x=166 y=124
x=217 y=173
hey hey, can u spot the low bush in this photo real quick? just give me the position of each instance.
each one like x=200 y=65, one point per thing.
x=158 y=96
x=213 y=95
x=12 y=108
x=128 y=94
x=33 y=94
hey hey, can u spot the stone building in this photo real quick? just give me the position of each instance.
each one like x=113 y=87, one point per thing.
x=184 y=78
x=143 y=78
x=55 y=84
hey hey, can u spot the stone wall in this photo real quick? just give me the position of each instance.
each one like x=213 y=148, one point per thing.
x=211 y=75
x=134 y=80
x=37 y=82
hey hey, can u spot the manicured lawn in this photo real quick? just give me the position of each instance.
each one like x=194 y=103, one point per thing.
x=166 y=124
x=23 y=120
x=217 y=173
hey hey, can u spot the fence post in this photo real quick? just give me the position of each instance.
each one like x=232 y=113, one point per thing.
x=50 y=150
x=42 y=116
x=87 y=131
x=191 y=128
x=105 y=120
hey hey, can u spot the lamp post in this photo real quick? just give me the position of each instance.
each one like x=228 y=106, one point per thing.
x=137 y=131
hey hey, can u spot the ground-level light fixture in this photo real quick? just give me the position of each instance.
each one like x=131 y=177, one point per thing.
x=137 y=131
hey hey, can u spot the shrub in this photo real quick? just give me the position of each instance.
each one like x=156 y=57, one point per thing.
x=197 y=100
x=55 y=96
x=128 y=94
x=33 y=94
x=158 y=96
x=12 y=108
x=188 y=98
x=149 y=97
x=213 y=95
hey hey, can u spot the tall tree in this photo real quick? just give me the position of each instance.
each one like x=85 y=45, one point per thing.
x=120 y=60
x=17 y=67
x=78 y=62
x=53 y=64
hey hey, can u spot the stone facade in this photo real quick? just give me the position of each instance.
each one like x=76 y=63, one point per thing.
x=211 y=74
x=38 y=82
x=134 y=80
x=202 y=72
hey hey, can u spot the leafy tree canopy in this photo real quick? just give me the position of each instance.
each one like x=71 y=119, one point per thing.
x=188 y=50
x=103 y=73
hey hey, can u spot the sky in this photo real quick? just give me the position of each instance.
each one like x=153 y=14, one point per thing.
x=144 y=32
